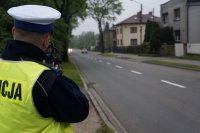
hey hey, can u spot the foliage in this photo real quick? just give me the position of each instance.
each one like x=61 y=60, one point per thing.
x=107 y=26
x=71 y=10
x=161 y=36
x=5 y=28
x=150 y=29
x=139 y=49
x=59 y=36
x=85 y=40
x=102 y=11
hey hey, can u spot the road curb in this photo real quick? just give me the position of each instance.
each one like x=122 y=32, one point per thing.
x=104 y=112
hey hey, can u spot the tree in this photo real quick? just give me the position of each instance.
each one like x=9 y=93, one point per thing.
x=59 y=36
x=102 y=11
x=70 y=10
x=6 y=22
x=5 y=29
x=150 y=28
x=161 y=36
x=107 y=26
x=85 y=40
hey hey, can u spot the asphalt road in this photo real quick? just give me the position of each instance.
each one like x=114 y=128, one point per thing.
x=145 y=98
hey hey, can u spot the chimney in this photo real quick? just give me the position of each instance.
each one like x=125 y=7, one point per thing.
x=139 y=14
x=150 y=13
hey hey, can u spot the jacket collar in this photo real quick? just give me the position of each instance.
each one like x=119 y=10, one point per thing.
x=19 y=50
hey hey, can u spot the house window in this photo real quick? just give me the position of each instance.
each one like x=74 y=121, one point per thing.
x=134 y=42
x=177 y=35
x=117 y=31
x=165 y=18
x=133 y=29
x=114 y=34
x=177 y=14
x=121 y=30
x=121 y=43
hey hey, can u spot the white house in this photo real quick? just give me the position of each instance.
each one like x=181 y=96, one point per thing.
x=131 y=31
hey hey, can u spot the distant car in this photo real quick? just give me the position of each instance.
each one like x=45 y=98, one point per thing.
x=84 y=51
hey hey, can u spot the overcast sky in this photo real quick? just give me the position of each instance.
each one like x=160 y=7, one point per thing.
x=130 y=8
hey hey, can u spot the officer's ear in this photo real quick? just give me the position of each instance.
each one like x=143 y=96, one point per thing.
x=13 y=31
x=46 y=41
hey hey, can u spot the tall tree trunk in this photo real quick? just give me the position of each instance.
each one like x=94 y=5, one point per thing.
x=67 y=41
x=65 y=57
x=101 y=36
x=65 y=14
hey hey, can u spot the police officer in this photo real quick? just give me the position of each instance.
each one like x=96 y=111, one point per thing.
x=33 y=97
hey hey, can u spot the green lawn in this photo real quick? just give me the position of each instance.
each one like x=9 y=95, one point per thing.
x=108 y=55
x=70 y=71
x=149 y=55
x=191 y=57
x=172 y=64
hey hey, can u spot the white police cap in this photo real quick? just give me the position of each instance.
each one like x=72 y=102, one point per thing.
x=36 y=18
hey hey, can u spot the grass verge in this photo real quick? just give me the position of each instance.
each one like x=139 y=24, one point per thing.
x=104 y=129
x=191 y=57
x=148 y=55
x=172 y=64
x=70 y=71
x=108 y=54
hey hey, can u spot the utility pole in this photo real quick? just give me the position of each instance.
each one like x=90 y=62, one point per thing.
x=153 y=14
x=141 y=6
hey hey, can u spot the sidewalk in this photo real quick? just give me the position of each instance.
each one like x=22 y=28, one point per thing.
x=89 y=125
x=143 y=58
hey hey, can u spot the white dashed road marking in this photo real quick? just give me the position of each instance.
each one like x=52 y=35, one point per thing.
x=108 y=63
x=118 y=67
x=139 y=73
x=174 y=84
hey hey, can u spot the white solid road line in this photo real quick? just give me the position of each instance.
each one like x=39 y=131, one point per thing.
x=118 y=67
x=139 y=73
x=174 y=84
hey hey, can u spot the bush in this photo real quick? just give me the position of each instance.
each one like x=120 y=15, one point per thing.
x=161 y=36
x=150 y=28
x=145 y=48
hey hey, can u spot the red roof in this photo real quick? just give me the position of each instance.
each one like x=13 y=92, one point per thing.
x=135 y=19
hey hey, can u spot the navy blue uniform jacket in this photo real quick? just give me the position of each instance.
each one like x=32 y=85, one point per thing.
x=64 y=101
